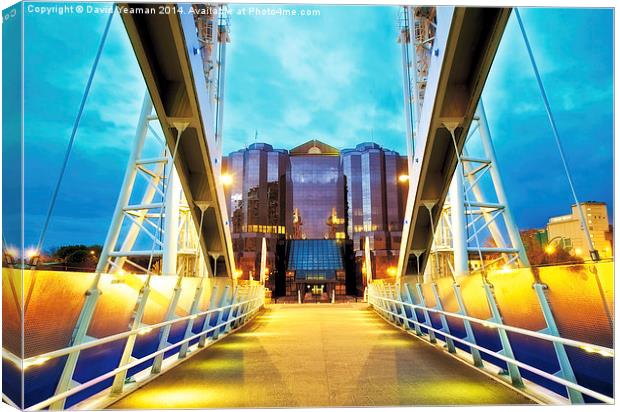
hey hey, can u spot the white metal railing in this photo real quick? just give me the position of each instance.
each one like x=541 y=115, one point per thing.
x=246 y=309
x=383 y=305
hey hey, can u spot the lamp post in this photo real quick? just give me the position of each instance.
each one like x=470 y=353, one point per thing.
x=549 y=248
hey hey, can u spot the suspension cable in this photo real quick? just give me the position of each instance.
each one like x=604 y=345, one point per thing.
x=73 y=134
x=593 y=252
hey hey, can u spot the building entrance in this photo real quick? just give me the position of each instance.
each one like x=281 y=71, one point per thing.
x=317 y=289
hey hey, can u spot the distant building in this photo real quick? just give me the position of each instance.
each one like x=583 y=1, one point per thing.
x=318 y=191
x=376 y=199
x=311 y=202
x=258 y=197
x=567 y=231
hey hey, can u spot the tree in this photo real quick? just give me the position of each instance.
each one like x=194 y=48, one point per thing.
x=537 y=254
x=78 y=257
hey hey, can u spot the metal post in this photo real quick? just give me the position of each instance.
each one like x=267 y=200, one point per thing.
x=224 y=301
x=459 y=229
x=430 y=204
x=190 y=323
x=171 y=233
x=389 y=305
x=246 y=307
x=471 y=338
x=230 y=313
x=444 y=322
x=119 y=379
x=263 y=261
x=165 y=331
x=367 y=260
x=414 y=315
x=78 y=337
x=513 y=370
x=221 y=76
x=489 y=152
x=566 y=369
x=203 y=338
x=404 y=40
x=427 y=318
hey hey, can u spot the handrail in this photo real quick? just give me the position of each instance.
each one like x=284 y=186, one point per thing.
x=551 y=377
x=97 y=342
x=130 y=365
x=571 y=342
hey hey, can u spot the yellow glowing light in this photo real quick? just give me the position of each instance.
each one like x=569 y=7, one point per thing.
x=92 y=252
x=226 y=179
x=36 y=361
x=604 y=353
x=488 y=325
x=578 y=251
x=403 y=178
x=31 y=252
x=122 y=272
x=144 y=331
x=11 y=251
x=549 y=249
x=391 y=271
x=237 y=273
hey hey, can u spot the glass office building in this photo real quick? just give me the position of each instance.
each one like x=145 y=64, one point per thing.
x=257 y=196
x=376 y=197
x=315 y=205
x=318 y=191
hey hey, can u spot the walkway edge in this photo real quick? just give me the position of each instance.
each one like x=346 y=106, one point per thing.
x=104 y=398
x=541 y=395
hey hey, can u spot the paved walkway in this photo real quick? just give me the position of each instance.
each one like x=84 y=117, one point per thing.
x=319 y=355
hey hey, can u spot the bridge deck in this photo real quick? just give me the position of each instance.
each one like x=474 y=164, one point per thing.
x=319 y=355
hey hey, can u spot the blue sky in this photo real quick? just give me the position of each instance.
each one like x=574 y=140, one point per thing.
x=334 y=77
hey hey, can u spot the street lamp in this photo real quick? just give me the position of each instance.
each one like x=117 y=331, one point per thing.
x=226 y=179
x=550 y=248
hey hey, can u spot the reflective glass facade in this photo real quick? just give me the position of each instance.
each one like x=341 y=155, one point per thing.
x=318 y=196
x=316 y=259
x=257 y=198
x=314 y=192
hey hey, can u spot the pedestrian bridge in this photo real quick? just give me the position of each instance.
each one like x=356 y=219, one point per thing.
x=319 y=355
x=121 y=340
x=212 y=342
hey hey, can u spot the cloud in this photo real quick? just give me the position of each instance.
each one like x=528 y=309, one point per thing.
x=295 y=79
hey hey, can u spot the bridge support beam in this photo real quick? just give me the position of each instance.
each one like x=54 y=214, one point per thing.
x=496 y=317
x=79 y=335
x=205 y=326
x=444 y=322
x=566 y=369
x=165 y=331
x=470 y=337
x=459 y=229
x=119 y=379
x=427 y=317
x=414 y=316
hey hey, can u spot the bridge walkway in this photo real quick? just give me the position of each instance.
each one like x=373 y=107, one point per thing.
x=319 y=355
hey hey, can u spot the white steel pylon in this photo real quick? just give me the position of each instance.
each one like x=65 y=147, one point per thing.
x=476 y=230
x=152 y=229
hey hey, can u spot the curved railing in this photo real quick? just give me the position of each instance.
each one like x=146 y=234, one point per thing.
x=386 y=300
x=218 y=321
